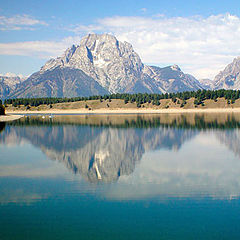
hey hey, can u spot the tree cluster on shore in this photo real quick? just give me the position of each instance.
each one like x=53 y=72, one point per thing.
x=140 y=98
x=2 y=109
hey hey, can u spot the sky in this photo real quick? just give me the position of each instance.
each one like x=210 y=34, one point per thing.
x=202 y=37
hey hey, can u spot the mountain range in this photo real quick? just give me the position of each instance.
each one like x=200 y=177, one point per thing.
x=100 y=65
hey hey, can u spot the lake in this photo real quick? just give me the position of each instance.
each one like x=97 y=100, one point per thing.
x=169 y=176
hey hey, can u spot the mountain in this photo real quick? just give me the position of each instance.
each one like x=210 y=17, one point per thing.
x=113 y=65
x=59 y=82
x=229 y=78
x=8 y=84
x=171 y=79
x=207 y=84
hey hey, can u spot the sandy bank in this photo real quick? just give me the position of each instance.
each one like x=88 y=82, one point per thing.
x=124 y=111
x=7 y=118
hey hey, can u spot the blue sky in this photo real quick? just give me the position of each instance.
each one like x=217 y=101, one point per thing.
x=200 y=36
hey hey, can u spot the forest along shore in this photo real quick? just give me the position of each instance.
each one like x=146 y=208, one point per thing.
x=199 y=101
x=123 y=106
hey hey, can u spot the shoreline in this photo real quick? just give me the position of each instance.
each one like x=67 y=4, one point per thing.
x=8 y=118
x=122 y=111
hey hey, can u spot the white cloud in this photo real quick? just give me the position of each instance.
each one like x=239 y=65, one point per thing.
x=143 y=10
x=19 y=22
x=201 y=46
x=40 y=49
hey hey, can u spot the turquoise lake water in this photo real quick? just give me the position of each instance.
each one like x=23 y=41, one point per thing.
x=120 y=177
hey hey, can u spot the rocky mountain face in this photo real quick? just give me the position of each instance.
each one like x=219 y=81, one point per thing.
x=207 y=84
x=8 y=84
x=59 y=82
x=170 y=79
x=113 y=65
x=229 y=78
x=100 y=65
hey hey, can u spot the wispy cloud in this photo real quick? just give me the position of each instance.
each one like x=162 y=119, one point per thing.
x=19 y=22
x=202 y=46
x=40 y=49
x=143 y=10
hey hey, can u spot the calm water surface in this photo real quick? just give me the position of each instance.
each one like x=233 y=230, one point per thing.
x=120 y=177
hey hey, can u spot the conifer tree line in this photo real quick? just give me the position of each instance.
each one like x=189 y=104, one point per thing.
x=139 y=98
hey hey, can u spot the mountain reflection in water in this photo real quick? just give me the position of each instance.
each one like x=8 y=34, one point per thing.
x=98 y=153
x=120 y=177
x=141 y=149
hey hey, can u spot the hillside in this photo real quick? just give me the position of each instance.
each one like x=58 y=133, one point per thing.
x=115 y=104
x=59 y=82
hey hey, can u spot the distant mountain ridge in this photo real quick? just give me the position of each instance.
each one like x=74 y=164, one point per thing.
x=59 y=82
x=101 y=64
x=8 y=84
x=229 y=78
x=207 y=84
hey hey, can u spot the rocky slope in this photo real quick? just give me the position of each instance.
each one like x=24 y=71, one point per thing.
x=59 y=82
x=8 y=84
x=114 y=65
x=207 y=84
x=171 y=79
x=229 y=78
